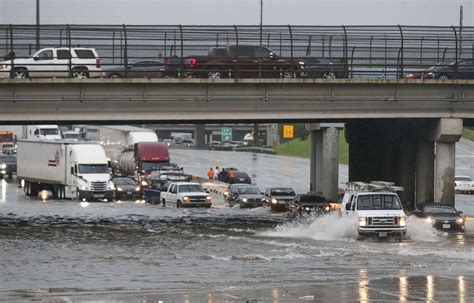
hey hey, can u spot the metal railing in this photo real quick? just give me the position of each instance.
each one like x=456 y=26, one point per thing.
x=358 y=52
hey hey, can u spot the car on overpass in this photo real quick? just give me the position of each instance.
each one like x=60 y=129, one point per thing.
x=462 y=69
x=146 y=68
x=463 y=184
x=279 y=198
x=442 y=217
x=75 y=62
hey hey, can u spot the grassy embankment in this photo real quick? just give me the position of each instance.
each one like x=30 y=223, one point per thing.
x=302 y=148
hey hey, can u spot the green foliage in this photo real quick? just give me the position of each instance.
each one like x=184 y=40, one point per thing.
x=302 y=148
x=468 y=133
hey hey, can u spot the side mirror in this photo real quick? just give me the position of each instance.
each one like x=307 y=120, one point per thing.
x=271 y=55
x=36 y=58
x=348 y=206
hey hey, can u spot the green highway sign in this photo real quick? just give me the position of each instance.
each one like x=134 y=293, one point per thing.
x=226 y=134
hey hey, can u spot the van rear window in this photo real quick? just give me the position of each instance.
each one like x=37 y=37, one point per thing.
x=85 y=54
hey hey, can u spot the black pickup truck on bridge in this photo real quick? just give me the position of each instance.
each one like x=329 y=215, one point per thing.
x=251 y=61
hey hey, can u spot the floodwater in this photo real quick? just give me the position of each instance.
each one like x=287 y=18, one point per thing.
x=63 y=251
x=133 y=252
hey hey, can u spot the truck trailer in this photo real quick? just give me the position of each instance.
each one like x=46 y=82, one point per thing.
x=139 y=161
x=74 y=170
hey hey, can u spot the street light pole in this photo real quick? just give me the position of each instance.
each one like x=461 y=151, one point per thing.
x=261 y=22
x=37 y=24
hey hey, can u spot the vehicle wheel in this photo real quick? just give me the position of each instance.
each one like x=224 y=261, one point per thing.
x=115 y=76
x=288 y=74
x=443 y=77
x=329 y=75
x=214 y=74
x=80 y=73
x=19 y=73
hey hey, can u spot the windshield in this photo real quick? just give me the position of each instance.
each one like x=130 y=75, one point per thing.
x=464 y=179
x=190 y=188
x=312 y=199
x=153 y=165
x=124 y=181
x=440 y=209
x=249 y=190
x=49 y=131
x=372 y=202
x=7 y=159
x=93 y=169
x=71 y=136
x=283 y=192
x=6 y=136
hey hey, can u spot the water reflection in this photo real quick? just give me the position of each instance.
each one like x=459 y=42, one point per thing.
x=430 y=288
x=363 y=285
x=3 y=195
x=462 y=289
x=403 y=288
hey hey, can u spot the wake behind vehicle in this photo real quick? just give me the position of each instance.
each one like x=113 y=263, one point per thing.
x=443 y=217
x=310 y=203
x=279 y=198
x=378 y=208
x=77 y=63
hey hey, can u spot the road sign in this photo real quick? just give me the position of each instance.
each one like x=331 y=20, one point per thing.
x=288 y=131
x=226 y=134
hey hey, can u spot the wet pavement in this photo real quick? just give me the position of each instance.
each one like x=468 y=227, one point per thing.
x=63 y=251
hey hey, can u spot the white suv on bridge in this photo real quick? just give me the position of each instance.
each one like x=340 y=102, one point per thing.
x=78 y=63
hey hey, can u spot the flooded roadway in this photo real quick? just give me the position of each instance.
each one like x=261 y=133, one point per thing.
x=66 y=251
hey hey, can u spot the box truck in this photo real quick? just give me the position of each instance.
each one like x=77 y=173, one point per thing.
x=75 y=170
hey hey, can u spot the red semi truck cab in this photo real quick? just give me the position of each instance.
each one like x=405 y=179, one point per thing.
x=150 y=156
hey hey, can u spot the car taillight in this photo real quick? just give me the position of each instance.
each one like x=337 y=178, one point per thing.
x=192 y=62
x=97 y=62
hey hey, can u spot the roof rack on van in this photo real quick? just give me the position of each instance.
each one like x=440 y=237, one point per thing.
x=374 y=186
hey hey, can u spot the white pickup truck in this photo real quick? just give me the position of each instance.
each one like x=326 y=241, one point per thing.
x=186 y=194
x=378 y=208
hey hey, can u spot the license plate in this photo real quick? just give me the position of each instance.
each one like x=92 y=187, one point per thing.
x=383 y=235
x=446 y=226
x=129 y=192
x=98 y=195
x=241 y=179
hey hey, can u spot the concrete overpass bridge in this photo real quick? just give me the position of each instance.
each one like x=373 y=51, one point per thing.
x=398 y=130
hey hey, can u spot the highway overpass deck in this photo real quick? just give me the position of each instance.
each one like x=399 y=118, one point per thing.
x=228 y=100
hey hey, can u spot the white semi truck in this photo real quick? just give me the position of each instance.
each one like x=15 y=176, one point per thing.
x=74 y=170
x=34 y=132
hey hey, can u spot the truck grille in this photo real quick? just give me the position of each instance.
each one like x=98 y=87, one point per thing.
x=253 y=200
x=99 y=186
x=382 y=221
x=197 y=199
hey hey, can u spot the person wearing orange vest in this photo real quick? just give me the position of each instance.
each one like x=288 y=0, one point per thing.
x=231 y=175
x=210 y=173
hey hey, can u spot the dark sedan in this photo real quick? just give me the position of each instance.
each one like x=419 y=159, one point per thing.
x=137 y=69
x=323 y=68
x=464 y=69
x=443 y=217
x=126 y=189
x=310 y=203
x=279 y=198
x=246 y=196
x=7 y=165
x=240 y=178
x=224 y=174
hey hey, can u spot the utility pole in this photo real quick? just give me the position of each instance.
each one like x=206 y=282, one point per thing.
x=255 y=125
x=37 y=24
x=461 y=16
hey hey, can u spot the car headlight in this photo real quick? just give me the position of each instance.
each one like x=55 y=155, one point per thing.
x=186 y=199
x=327 y=208
x=307 y=208
x=460 y=220
x=83 y=187
x=3 y=166
x=144 y=183
x=274 y=201
x=119 y=189
x=430 y=220
x=362 y=221
x=244 y=199
x=137 y=188
x=403 y=222
x=208 y=198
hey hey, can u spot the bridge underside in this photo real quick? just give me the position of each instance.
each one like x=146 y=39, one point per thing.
x=245 y=100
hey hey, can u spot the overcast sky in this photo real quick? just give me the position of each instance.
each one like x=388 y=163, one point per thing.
x=307 y=12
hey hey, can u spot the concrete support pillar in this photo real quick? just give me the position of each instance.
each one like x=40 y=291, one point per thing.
x=444 y=172
x=424 y=172
x=324 y=170
x=200 y=136
x=406 y=174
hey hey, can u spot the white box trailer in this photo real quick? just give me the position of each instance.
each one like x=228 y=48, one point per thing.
x=76 y=170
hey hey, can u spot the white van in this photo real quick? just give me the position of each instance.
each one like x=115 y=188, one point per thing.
x=378 y=208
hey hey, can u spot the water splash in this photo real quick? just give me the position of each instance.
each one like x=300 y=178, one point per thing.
x=419 y=229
